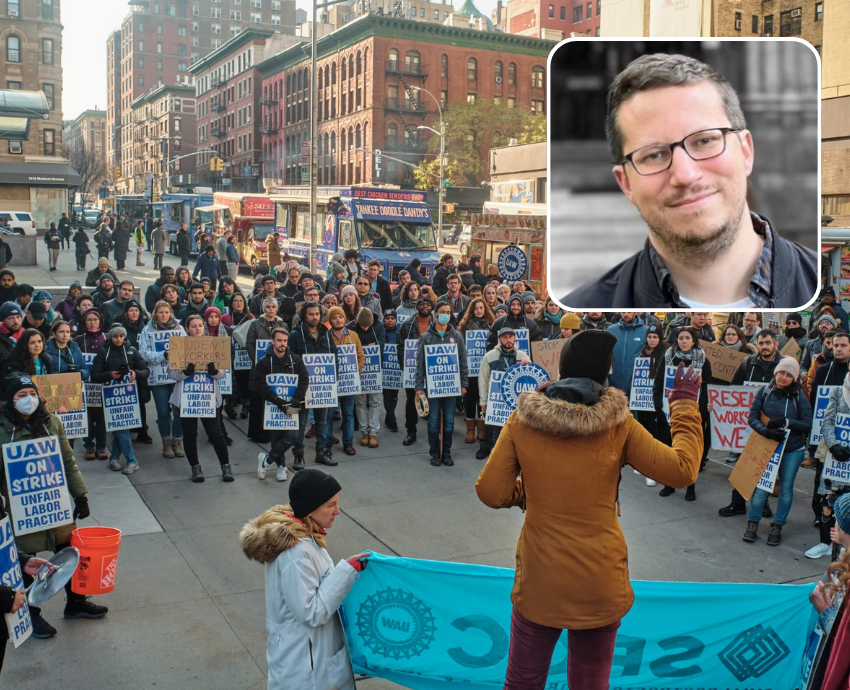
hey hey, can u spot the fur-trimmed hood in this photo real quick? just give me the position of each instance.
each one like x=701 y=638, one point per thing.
x=265 y=537
x=564 y=419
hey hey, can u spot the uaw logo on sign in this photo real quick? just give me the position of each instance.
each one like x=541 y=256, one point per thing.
x=512 y=263
x=753 y=653
x=521 y=378
x=395 y=624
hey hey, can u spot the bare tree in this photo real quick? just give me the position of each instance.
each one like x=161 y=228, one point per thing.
x=90 y=168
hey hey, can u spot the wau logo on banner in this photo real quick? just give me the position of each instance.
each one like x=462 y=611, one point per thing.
x=429 y=625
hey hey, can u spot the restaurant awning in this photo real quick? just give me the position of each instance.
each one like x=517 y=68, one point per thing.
x=39 y=174
x=29 y=104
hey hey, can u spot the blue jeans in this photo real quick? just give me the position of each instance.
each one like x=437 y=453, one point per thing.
x=435 y=405
x=323 y=431
x=167 y=416
x=785 y=477
x=346 y=406
x=121 y=443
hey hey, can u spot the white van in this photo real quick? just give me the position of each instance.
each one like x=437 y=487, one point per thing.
x=18 y=222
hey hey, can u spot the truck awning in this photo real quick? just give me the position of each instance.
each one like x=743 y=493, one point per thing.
x=213 y=207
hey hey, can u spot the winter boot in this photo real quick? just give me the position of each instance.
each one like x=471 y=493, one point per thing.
x=480 y=429
x=177 y=445
x=470 y=431
x=752 y=531
x=298 y=463
x=774 y=538
x=167 y=450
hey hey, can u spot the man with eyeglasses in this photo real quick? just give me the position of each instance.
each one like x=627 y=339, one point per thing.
x=682 y=155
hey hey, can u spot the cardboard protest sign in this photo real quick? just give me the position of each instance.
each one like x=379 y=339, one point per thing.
x=284 y=385
x=322 y=389
x=821 y=403
x=752 y=464
x=768 y=478
x=476 y=348
x=65 y=392
x=838 y=472
x=547 y=353
x=409 y=374
x=200 y=351
x=38 y=488
x=791 y=349
x=348 y=376
x=498 y=410
x=197 y=396
x=391 y=371
x=261 y=347
x=370 y=378
x=159 y=371
x=724 y=361
x=121 y=406
x=92 y=391
x=521 y=378
x=640 y=395
x=442 y=370
x=19 y=624
x=730 y=428
x=523 y=342
x=241 y=358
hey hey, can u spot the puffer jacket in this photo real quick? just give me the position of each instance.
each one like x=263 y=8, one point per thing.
x=261 y=329
x=272 y=364
x=789 y=404
x=433 y=337
x=71 y=355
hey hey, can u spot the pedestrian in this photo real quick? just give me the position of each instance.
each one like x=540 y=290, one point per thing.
x=273 y=248
x=81 y=245
x=237 y=315
x=478 y=317
x=549 y=320
x=158 y=239
x=184 y=245
x=208 y=266
x=139 y=238
x=630 y=332
x=438 y=333
x=343 y=336
x=541 y=465
x=53 y=241
x=116 y=360
x=65 y=231
x=221 y=252
x=121 y=238
x=368 y=405
x=103 y=241
x=260 y=329
x=147 y=224
x=231 y=254
x=93 y=276
x=390 y=395
x=306 y=646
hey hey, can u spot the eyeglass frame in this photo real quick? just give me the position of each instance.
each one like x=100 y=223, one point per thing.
x=724 y=130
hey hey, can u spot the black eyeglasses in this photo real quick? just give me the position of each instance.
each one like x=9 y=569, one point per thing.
x=700 y=146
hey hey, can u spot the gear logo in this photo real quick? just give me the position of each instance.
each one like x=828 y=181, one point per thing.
x=753 y=653
x=394 y=623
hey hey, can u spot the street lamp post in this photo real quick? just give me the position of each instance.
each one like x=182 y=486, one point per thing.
x=442 y=135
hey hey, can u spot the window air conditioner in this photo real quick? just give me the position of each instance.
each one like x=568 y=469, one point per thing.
x=796 y=13
x=768 y=34
x=498 y=80
x=738 y=24
x=13 y=13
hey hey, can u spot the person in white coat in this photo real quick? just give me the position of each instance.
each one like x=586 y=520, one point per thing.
x=306 y=648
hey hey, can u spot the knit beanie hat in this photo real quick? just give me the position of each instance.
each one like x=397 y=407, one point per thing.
x=348 y=289
x=492 y=270
x=333 y=311
x=588 y=354
x=570 y=320
x=287 y=306
x=365 y=318
x=10 y=309
x=790 y=366
x=310 y=489
x=116 y=330
x=827 y=317
x=841 y=509
x=794 y=316
x=16 y=381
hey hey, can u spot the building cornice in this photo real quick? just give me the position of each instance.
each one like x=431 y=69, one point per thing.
x=239 y=40
x=156 y=94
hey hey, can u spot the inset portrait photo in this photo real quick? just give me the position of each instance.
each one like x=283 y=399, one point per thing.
x=684 y=174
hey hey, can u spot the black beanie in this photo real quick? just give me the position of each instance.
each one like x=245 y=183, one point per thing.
x=588 y=354
x=287 y=306
x=16 y=381
x=310 y=489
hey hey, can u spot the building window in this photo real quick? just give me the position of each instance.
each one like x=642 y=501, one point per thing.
x=141 y=46
x=768 y=24
x=445 y=15
x=13 y=8
x=444 y=97
x=392 y=135
x=49 y=142
x=276 y=20
x=196 y=11
x=737 y=21
x=421 y=11
x=181 y=50
x=497 y=72
x=276 y=5
x=470 y=98
x=159 y=65
x=159 y=47
x=597 y=30
x=181 y=31
x=818 y=11
x=50 y=94
x=234 y=30
x=471 y=69
x=15 y=86
x=13 y=49
x=511 y=102
x=598 y=9
x=563 y=13
x=790 y=22
x=256 y=3
x=47 y=9
x=551 y=11
x=47 y=51
x=537 y=107
x=256 y=18
x=411 y=62
x=215 y=28
x=16 y=147
x=215 y=13
x=576 y=14
x=141 y=62
x=755 y=29
x=511 y=73
x=181 y=66
x=236 y=15
x=589 y=10
x=141 y=81
x=444 y=66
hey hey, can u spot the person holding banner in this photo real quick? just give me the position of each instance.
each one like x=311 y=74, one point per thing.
x=559 y=458
x=260 y=329
x=441 y=332
x=24 y=417
x=478 y=317
x=514 y=319
x=342 y=336
x=280 y=360
x=214 y=327
x=90 y=341
x=784 y=404
x=212 y=425
x=685 y=350
x=115 y=361
x=653 y=349
x=368 y=405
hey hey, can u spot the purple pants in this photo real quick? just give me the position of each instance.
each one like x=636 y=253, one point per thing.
x=589 y=657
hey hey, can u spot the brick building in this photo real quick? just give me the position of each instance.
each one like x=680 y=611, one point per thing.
x=87 y=131
x=365 y=100
x=33 y=174
x=418 y=10
x=228 y=97
x=163 y=129
x=552 y=19
x=158 y=42
x=835 y=120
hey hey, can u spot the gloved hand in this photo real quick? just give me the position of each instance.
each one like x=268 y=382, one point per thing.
x=776 y=423
x=282 y=405
x=190 y=369
x=81 y=508
x=686 y=384
x=776 y=434
x=359 y=561
x=840 y=453
x=211 y=370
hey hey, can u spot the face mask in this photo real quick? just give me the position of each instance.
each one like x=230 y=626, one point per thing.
x=27 y=405
x=443 y=319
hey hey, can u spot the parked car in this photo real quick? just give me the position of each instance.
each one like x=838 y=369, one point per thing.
x=20 y=222
x=89 y=218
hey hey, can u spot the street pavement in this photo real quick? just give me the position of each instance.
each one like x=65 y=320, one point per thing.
x=188 y=608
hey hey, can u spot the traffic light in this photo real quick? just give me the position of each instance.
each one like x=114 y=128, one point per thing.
x=116 y=172
x=216 y=164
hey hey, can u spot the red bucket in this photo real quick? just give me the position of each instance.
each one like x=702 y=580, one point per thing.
x=98 y=566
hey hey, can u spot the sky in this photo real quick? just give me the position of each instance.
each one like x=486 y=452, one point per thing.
x=87 y=24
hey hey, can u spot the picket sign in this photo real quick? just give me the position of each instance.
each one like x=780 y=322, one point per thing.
x=121 y=408
x=498 y=410
x=442 y=370
x=821 y=403
x=476 y=348
x=19 y=624
x=348 y=376
x=370 y=379
x=197 y=396
x=409 y=373
x=391 y=371
x=640 y=396
x=284 y=386
x=838 y=472
x=159 y=371
x=321 y=392
x=92 y=391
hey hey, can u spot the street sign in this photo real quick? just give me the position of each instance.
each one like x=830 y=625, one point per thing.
x=225 y=181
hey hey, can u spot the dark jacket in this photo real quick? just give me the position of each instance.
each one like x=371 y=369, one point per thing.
x=99 y=297
x=255 y=303
x=184 y=243
x=754 y=368
x=658 y=392
x=830 y=374
x=683 y=321
x=81 y=240
x=192 y=308
x=302 y=343
x=441 y=276
x=415 y=275
x=154 y=293
x=121 y=238
x=775 y=402
x=208 y=267
x=290 y=363
x=8 y=367
x=376 y=333
x=62 y=361
x=5 y=253
x=432 y=337
x=111 y=358
x=53 y=239
x=93 y=275
x=522 y=321
x=409 y=330
x=633 y=284
x=385 y=293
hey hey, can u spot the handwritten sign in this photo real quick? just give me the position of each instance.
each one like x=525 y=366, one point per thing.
x=730 y=428
x=391 y=371
x=498 y=410
x=197 y=396
x=752 y=464
x=284 y=386
x=159 y=371
x=38 y=488
x=321 y=392
x=121 y=406
x=93 y=391
x=838 y=472
x=411 y=347
x=65 y=392
x=442 y=370
x=640 y=395
x=547 y=353
x=19 y=624
x=476 y=348
x=821 y=403
x=348 y=378
x=370 y=378
x=724 y=361
x=200 y=351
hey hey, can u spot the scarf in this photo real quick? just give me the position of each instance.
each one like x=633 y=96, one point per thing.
x=554 y=318
x=170 y=325
x=695 y=356
x=795 y=333
x=739 y=346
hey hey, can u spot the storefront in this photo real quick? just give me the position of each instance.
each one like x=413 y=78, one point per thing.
x=38 y=188
x=493 y=236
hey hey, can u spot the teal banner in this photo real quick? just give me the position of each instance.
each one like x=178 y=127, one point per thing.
x=430 y=625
